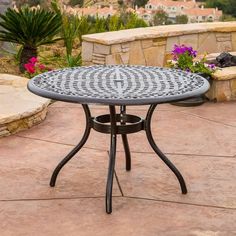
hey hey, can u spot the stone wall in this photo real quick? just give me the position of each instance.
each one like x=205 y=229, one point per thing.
x=19 y=109
x=152 y=46
x=223 y=86
x=23 y=123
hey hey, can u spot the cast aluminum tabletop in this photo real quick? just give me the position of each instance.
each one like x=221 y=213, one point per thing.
x=118 y=85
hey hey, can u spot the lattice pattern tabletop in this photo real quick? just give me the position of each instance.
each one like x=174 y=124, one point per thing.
x=118 y=85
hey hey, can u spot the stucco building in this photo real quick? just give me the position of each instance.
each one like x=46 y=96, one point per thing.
x=177 y=8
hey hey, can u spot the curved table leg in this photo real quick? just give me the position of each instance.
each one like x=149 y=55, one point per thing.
x=159 y=152
x=75 y=149
x=112 y=158
x=125 y=141
x=127 y=152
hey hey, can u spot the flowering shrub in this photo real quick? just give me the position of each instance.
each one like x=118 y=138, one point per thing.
x=33 y=67
x=184 y=58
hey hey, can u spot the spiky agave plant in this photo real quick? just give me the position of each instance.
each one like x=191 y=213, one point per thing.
x=29 y=28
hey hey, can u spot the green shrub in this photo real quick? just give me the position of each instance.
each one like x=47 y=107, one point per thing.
x=115 y=23
x=131 y=20
x=73 y=27
x=29 y=28
x=182 y=19
x=70 y=30
x=84 y=27
x=100 y=25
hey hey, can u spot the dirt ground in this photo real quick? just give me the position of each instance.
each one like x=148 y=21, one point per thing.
x=53 y=56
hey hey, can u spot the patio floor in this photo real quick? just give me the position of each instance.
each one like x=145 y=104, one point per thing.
x=201 y=141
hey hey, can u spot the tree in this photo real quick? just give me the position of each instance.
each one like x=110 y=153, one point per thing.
x=80 y=3
x=84 y=27
x=140 y=3
x=120 y=3
x=160 y=18
x=181 y=19
x=227 y=18
x=227 y=6
x=29 y=28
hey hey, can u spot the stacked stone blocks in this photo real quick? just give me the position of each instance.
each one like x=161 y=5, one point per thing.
x=19 y=108
x=22 y=124
x=152 y=46
x=223 y=87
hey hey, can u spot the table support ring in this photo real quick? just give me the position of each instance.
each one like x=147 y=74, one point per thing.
x=114 y=129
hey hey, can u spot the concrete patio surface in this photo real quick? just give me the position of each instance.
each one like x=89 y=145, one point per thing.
x=200 y=141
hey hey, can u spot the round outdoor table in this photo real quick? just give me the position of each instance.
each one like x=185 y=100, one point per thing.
x=118 y=85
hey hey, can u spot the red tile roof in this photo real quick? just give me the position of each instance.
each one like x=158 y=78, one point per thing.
x=202 y=12
x=169 y=3
x=91 y=10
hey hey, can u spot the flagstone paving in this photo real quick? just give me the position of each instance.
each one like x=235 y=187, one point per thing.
x=201 y=141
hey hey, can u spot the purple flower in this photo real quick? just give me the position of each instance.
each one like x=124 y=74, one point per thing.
x=182 y=49
x=184 y=59
x=212 y=66
x=194 y=53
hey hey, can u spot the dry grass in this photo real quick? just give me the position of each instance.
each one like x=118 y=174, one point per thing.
x=8 y=65
x=53 y=56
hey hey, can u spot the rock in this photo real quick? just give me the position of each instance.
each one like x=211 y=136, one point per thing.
x=233 y=88
x=125 y=58
x=207 y=43
x=225 y=59
x=113 y=59
x=159 y=41
x=87 y=51
x=101 y=49
x=189 y=40
x=212 y=56
x=171 y=41
x=223 y=91
x=147 y=43
x=154 y=56
x=234 y=41
x=222 y=37
x=116 y=48
x=226 y=73
x=98 y=59
x=225 y=46
x=136 y=55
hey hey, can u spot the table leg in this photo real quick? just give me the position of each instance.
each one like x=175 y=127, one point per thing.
x=76 y=148
x=159 y=152
x=112 y=157
x=125 y=140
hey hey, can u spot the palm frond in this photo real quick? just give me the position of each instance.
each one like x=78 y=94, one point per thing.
x=30 y=27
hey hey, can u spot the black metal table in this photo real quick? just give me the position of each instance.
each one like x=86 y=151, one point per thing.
x=118 y=85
